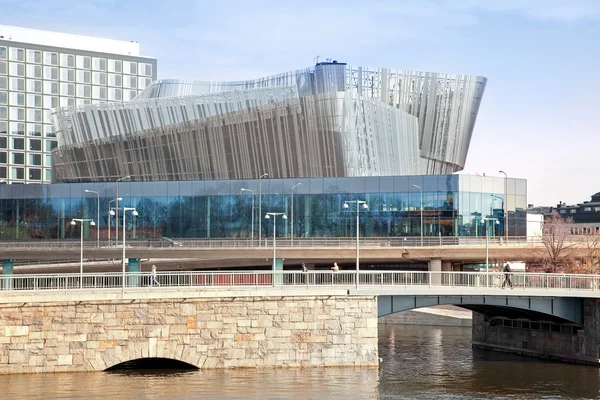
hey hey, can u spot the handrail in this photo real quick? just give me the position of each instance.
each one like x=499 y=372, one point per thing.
x=283 y=242
x=521 y=283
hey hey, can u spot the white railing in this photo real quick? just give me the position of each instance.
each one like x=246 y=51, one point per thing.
x=457 y=281
x=282 y=242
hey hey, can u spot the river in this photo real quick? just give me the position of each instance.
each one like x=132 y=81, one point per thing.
x=418 y=362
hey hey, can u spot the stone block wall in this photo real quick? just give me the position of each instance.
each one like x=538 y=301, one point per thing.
x=206 y=333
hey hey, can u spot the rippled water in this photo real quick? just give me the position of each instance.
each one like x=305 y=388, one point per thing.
x=418 y=363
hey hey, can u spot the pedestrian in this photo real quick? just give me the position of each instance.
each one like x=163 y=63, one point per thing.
x=304 y=269
x=506 y=270
x=153 y=278
x=335 y=267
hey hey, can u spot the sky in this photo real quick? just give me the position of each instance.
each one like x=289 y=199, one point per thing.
x=540 y=114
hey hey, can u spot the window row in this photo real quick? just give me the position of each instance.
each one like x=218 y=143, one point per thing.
x=34 y=174
x=75 y=61
x=20 y=128
x=17 y=143
x=64 y=89
x=17 y=158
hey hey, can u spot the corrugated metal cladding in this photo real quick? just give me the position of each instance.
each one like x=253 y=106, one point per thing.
x=332 y=120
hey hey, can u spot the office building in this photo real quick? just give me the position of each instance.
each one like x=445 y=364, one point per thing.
x=41 y=71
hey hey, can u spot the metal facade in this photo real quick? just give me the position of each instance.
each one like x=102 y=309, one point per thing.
x=328 y=121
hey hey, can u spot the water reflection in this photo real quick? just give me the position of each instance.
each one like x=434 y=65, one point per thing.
x=418 y=363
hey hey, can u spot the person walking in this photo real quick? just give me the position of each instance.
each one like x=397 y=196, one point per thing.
x=506 y=271
x=335 y=270
x=153 y=278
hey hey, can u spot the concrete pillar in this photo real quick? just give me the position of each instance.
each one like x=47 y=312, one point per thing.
x=208 y=217
x=446 y=266
x=133 y=266
x=278 y=267
x=435 y=265
x=7 y=269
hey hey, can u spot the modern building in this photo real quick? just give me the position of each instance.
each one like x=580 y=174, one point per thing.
x=40 y=71
x=331 y=120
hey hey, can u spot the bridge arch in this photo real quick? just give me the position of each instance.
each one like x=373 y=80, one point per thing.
x=135 y=350
x=555 y=309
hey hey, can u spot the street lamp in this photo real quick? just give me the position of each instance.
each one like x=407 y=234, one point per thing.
x=98 y=218
x=487 y=279
x=251 y=192
x=292 y=219
x=260 y=207
x=268 y=216
x=111 y=213
x=365 y=207
x=421 y=189
x=134 y=213
x=117 y=207
x=73 y=223
x=505 y=206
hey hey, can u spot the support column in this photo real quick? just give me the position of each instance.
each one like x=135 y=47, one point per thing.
x=7 y=269
x=446 y=266
x=133 y=266
x=278 y=268
x=435 y=265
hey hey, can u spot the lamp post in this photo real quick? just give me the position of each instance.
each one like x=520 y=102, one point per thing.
x=487 y=274
x=134 y=213
x=251 y=192
x=421 y=189
x=117 y=207
x=111 y=213
x=260 y=207
x=364 y=206
x=505 y=206
x=274 y=215
x=292 y=219
x=98 y=216
x=73 y=223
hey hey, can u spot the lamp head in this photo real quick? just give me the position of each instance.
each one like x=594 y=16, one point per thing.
x=345 y=205
x=267 y=216
x=92 y=223
x=497 y=222
x=365 y=206
x=111 y=212
x=119 y=198
x=87 y=191
x=73 y=223
x=134 y=213
x=284 y=216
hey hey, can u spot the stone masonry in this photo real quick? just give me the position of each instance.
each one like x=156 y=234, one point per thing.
x=254 y=332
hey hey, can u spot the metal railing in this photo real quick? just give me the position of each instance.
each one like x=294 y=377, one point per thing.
x=282 y=242
x=520 y=282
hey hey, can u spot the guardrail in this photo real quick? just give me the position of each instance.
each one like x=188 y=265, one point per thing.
x=283 y=242
x=11 y=284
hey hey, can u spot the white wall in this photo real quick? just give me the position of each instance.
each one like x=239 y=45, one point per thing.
x=69 y=41
x=535 y=223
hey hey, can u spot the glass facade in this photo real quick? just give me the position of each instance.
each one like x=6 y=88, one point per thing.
x=453 y=205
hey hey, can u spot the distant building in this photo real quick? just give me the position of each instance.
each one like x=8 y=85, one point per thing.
x=585 y=216
x=40 y=71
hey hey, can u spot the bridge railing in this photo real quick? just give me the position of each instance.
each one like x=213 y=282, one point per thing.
x=283 y=242
x=294 y=280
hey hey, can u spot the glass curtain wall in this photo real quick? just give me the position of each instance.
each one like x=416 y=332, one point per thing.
x=453 y=205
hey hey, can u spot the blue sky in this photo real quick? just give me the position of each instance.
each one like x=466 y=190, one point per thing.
x=540 y=114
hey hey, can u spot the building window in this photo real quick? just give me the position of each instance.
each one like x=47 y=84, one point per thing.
x=17 y=84
x=35 y=174
x=67 y=101
x=99 y=64
x=67 y=89
x=34 y=100
x=99 y=92
x=3 y=82
x=114 y=80
x=3 y=157
x=2 y=53
x=50 y=87
x=3 y=97
x=17 y=99
x=51 y=73
x=50 y=102
x=3 y=68
x=17 y=173
x=115 y=94
x=130 y=67
x=67 y=75
x=17 y=69
x=3 y=112
x=587 y=209
x=34 y=56
x=50 y=58
x=34 y=86
x=17 y=114
x=34 y=71
x=50 y=145
x=146 y=69
x=84 y=62
x=84 y=77
x=35 y=159
x=17 y=54
x=17 y=128
x=99 y=78
x=35 y=144
x=3 y=142
x=573 y=211
x=49 y=131
x=67 y=60
x=84 y=91
x=18 y=158
x=3 y=129
x=34 y=115
x=34 y=129
x=115 y=66
x=18 y=144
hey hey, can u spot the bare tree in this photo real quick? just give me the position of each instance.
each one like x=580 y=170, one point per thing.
x=590 y=253
x=555 y=234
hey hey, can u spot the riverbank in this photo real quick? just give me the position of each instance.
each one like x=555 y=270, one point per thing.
x=431 y=316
